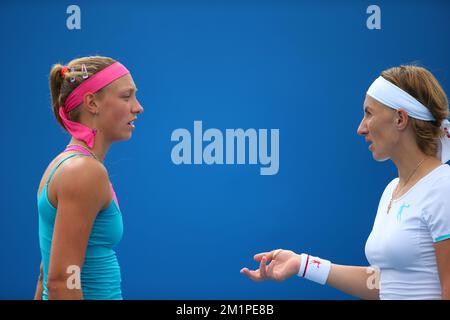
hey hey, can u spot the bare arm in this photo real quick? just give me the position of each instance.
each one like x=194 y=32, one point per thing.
x=442 y=249
x=82 y=192
x=361 y=282
x=39 y=286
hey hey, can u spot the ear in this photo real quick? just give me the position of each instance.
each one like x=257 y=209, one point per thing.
x=401 y=119
x=90 y=103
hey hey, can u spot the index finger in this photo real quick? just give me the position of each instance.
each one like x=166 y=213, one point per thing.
x=262 y=267
x=269 y=255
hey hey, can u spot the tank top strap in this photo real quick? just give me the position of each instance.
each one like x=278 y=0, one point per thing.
x=60 y=162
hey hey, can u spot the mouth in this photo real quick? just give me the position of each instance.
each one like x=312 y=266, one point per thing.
x=131 y=123
x=370 y=145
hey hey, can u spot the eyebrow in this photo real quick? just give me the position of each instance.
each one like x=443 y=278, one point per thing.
x=367 y=108
x=130 y=89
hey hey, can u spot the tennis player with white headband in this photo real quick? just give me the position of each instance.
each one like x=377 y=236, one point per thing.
x=80 y=222
x=405 y=120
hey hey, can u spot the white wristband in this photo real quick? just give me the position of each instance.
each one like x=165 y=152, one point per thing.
x=314 y=268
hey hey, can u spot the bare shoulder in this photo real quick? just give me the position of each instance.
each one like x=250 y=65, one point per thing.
x=84 y=166
x=84 y=179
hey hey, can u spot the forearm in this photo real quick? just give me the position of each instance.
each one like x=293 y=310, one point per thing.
x=362 y=282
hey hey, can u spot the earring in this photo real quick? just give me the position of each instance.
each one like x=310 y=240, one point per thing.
x=94 y=129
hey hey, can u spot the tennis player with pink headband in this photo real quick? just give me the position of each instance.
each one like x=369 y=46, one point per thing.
x=94 y=99
x=405 y=120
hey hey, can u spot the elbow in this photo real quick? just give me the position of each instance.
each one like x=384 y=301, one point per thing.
x=62 y=287
x=56 y=285
x=56 y=279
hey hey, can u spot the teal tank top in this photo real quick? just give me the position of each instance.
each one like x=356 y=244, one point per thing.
x=100 y=274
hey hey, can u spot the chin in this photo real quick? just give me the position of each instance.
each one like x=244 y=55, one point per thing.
x=380 y=158
x=124 y=137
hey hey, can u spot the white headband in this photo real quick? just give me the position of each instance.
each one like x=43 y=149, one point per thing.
x=392 y=96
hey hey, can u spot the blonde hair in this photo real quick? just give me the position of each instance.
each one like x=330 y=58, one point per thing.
x=422 y=85
x=61 y=86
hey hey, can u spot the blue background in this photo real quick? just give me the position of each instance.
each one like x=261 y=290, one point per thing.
x=302 y=67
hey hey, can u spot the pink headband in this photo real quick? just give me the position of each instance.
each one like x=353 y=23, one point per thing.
x=92 y=85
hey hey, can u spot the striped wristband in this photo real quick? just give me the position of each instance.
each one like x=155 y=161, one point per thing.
x=314 y=268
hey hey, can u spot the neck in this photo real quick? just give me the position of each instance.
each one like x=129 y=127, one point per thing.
x=100 y=148
x=407 y=158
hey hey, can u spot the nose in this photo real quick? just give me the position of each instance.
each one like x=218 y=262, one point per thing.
x=137 y=108
x=362 y=128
